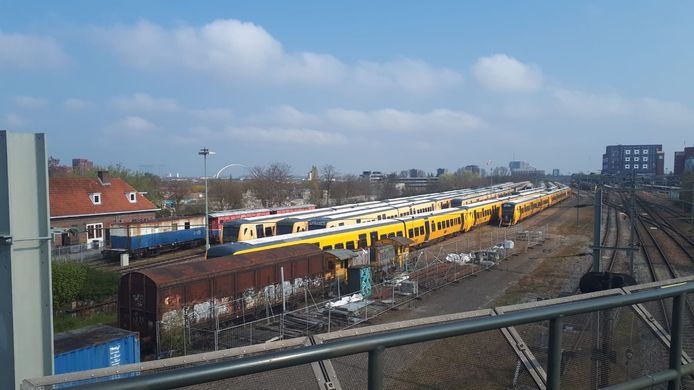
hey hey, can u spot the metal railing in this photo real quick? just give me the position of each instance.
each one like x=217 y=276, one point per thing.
x=376 y=344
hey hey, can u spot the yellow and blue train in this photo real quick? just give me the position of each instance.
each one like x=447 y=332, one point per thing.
x=419 y=228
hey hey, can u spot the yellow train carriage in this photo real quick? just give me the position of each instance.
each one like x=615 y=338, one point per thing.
x=343 y=237
x=515 y=211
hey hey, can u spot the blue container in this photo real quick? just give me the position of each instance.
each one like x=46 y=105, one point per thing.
x=97 y=346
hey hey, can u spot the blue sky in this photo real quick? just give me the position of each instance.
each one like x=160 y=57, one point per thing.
x=361 y=85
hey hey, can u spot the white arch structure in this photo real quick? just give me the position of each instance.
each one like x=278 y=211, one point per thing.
x=229 y=166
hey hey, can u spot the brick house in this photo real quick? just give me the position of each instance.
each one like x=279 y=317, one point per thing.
x=83 y=208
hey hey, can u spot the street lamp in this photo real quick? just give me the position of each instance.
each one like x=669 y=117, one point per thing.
x=204 y=152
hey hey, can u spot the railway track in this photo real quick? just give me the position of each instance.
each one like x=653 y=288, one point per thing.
x=141 y=264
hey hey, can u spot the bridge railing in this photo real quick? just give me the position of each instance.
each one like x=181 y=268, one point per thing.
x=368 y=341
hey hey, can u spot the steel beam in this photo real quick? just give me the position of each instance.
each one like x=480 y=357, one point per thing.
x=26 y=317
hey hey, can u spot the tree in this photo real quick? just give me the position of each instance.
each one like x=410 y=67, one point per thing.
x=328 y=175
x=271 y=185
x=178 y=192
x=388 y=189
x=313 y=186
x=225 y=194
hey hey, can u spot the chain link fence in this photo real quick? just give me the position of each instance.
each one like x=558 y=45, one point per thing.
x=340 y=307
x=77 y=253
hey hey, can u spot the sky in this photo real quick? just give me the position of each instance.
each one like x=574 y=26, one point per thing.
x=360 y=85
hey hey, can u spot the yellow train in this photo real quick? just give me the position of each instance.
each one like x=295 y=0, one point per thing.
x=515 y=211
x=420 y=229
x=273 y=225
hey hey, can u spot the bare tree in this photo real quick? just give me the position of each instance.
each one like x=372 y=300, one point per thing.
x=178 y=192
x=226 y=194
x=328 y=174
x=271 y=185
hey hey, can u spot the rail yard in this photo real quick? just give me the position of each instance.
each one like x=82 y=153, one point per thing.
x=413 y=258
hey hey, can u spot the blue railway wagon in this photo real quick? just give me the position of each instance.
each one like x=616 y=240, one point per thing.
x=153 y=236
x=97 y=346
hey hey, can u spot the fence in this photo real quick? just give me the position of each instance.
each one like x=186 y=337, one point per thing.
x=424 y=271
x=79 y=253
x=540 y=345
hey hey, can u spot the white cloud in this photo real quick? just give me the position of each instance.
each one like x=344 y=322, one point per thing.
x=15 y=120
x=131 y=126
x=410 y=75
x=30 y=51
x=501 y=73
x=73 y=104
x=653 y=111
x=286 y=116
x=213 y=114
x=397 y=120
x=246 y=52
x=580 y=103
x=29 y=102
x=144 y=102
x=286 y=135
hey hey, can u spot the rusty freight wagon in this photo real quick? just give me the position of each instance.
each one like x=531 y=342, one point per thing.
x=162 y=297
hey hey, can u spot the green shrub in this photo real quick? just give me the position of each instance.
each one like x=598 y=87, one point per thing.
x=99 y=285
x=68 y=279
x=79 y=282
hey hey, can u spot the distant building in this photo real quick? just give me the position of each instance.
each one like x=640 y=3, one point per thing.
x=373 y=176
x=684 y=161
x=416 y=182
x=522 y=168
x=82 y=163
x=638 y=159
x=555 y=172
x=441 y=171
x=416 y=173
x=474 y=169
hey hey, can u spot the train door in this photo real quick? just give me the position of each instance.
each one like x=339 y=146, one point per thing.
x=426 y=230
x=259 y=231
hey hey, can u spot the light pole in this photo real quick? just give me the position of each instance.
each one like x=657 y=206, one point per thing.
x=204 y=152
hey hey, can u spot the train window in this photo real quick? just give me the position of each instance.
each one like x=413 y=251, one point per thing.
x=399 y=234
x=378 y=218
x=327 y=247
x=349 y=245
x=340 y=246
x=187 y=225
x=268 y=232
x=391 y=234
x=362 y=241
x=433 y=227
x=245 y=231
x=410 y=233
x=438 y=224
x=383 y=236
x=421 y=230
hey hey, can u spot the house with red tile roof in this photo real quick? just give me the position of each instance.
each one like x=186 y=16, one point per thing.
x=83 y=208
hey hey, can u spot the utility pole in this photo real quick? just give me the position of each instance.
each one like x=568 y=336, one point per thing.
x=597 y=229
x=578 y=199
x=204 y=152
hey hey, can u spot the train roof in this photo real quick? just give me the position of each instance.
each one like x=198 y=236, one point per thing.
x=161 y=219
x=535 y=196
x=227 y=213
x=179 y=273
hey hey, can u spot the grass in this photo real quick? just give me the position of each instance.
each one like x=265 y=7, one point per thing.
x=63 y=322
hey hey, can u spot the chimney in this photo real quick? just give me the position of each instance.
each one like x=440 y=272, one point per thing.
x=103 y=178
